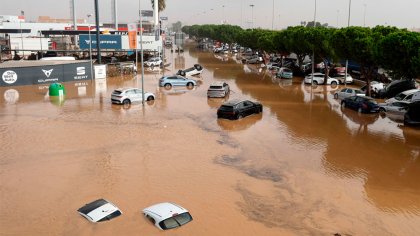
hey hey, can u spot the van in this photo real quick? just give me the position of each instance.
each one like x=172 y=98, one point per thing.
x=406 y=96
x=396 y=87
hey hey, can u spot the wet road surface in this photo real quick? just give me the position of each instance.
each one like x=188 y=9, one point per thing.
x=305 y=166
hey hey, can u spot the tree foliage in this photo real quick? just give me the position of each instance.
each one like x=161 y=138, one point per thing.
x=394 y=49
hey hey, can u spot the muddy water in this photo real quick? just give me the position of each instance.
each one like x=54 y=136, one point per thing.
x=303 y=167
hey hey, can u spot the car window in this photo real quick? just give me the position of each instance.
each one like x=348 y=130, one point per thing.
x=130 y=92
x=183 y=218
x=110 y=216
x=169 y=223
x=408 y=97
x=343 y=90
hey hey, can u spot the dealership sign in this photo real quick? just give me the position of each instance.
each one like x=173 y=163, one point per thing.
x=106 y=41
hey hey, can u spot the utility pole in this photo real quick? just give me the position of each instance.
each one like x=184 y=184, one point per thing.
x=98 y=42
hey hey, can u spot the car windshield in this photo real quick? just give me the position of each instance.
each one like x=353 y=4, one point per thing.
x=287 y=70
x=226 y=108
x=358 y=91
x=176 y=221
x=399 y=97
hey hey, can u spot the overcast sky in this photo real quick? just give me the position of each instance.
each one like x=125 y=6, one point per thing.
x=402 y=13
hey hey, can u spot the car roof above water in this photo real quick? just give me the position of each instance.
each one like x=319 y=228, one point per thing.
x=165 y=210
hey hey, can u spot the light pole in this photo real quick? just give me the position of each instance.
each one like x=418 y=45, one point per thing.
x=272 y=18
x=313 y=50
x=21 y=38
x=90 y=48
x=141 y=54
x=338 y=13
x=252 y=15
x=347 y=61
x=364 y=15
x=223 y=15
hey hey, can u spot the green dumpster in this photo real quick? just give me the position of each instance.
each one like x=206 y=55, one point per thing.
x=57 y=89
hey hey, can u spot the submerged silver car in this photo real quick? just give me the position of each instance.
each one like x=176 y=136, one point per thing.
x=218 y=90
x=130 y=95
x=176 y=80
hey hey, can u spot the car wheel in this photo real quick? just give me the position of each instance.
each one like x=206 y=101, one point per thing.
x=168 y=86
x=189 y=84
x=150 y=98
x=239 y=116
x=359 y=110
x=334 y=83
x=126 y=102
x=343 y=104
x=336 y=96
x=382 y=110
x=314 y=82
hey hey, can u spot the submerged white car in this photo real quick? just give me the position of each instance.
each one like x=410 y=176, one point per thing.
x=319 y=79
x=167 y=215
x=130 y=95
x=99 y=210
x=195 y=70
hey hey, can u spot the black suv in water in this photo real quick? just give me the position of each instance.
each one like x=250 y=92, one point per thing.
x=396 y=87
x=237 y=109
x=412 y=116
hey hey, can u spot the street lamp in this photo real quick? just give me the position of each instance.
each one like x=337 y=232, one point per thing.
x=90 y=47
x=252 y=15
x=347 y=61
x=223 y=16
x=364 y=15
x=313 y=50
x=272 y=18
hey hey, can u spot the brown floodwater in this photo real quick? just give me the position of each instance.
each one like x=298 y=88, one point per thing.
x=305 y=166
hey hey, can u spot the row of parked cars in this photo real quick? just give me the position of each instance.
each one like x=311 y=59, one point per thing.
x=406 y=104
x=235 y=109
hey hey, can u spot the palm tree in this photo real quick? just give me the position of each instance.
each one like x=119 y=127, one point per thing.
x=162 y=5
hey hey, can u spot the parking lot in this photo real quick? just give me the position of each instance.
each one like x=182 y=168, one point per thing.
x=304 y=166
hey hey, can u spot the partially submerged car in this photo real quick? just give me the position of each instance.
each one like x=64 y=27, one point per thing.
x=362 y=104
x=399 y=108
x=195 y=70
x=99 y=210
x=236 y=109
x=218 y=90
x=318 y=78
x=154 y=61
x=343 y=79
x=167 y=215
x=395 y=87
x=411 y=95
x=348 y=92
x=285 y=73
x=412 y=116
x=176 y=80
x=130 y=95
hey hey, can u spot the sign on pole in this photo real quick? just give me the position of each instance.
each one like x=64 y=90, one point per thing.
x=132 y=35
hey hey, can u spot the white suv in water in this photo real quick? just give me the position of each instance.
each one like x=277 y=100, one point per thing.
x=218 y=90
x=130 y=95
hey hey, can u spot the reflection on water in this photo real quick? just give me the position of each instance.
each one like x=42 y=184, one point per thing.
x=305 y=166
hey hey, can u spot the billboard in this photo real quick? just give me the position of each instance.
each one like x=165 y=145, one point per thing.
x=44 y=74
x=106 y=41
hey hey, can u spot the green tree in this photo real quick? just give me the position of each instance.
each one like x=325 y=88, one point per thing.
x=399 y=52
x=320 y=39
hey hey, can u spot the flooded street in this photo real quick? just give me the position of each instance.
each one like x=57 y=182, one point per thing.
x=305 y=166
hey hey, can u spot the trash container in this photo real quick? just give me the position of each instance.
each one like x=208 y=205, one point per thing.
x=57 y=89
